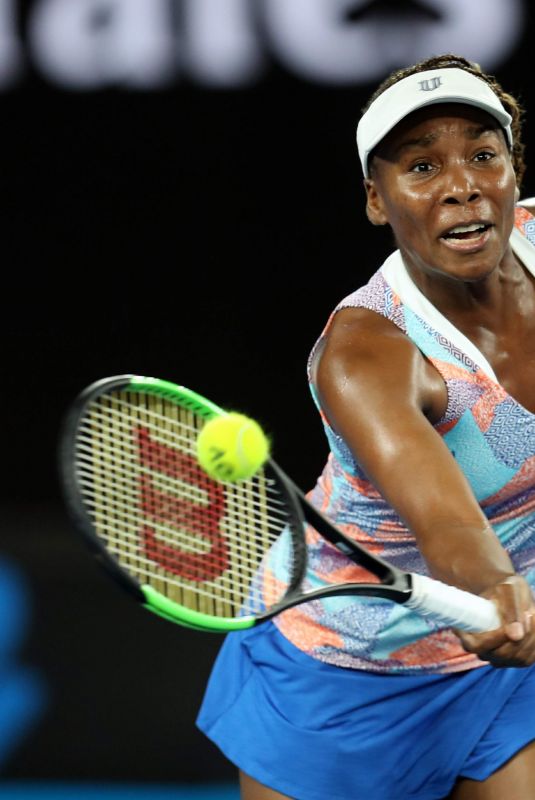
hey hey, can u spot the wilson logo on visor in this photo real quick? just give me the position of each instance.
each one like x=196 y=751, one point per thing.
x=429 y=85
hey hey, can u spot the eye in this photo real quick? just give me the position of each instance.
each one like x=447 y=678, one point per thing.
x=421 y=166
x=484 y=155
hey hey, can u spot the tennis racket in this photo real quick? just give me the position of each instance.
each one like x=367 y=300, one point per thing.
x=197 y=551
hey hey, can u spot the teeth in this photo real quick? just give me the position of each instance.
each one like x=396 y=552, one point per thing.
x=466 y=228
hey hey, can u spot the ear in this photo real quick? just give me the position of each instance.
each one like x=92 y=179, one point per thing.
x=517 y=194
x=375 y=209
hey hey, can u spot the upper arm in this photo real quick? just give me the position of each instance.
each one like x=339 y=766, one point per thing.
x=366 y=361
x=375 y=386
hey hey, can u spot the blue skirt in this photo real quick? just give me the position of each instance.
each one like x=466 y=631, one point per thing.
x=313 y=731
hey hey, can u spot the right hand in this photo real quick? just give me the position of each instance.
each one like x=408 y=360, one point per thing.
x=513 y=644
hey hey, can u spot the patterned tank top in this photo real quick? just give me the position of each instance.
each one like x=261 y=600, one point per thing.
x=492 y=438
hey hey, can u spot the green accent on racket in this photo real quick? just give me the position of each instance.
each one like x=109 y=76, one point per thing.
x=179 y=394
x=174 y=612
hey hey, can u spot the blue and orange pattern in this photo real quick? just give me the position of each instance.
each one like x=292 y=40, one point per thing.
x=491 y=436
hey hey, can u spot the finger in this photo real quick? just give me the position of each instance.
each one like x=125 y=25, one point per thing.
x=511 y=597
x=515 y=631
x=515 y=654
x=529 y=622
x=483 y=642
x=508 y=659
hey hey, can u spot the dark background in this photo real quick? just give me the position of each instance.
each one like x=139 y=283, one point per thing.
x=193 y=234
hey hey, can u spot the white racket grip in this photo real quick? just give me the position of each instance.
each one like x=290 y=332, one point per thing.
x=454 y=607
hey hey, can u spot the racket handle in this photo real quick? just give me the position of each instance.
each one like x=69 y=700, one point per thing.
x=455 y=607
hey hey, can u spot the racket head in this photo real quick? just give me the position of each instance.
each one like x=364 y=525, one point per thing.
x=189 y=548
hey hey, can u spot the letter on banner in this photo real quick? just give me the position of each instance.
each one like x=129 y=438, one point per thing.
x=357 y=41
x=89 y=44
x=11 y=51
x=219 y=44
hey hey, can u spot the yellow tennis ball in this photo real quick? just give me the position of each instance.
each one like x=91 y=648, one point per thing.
x=232 y=447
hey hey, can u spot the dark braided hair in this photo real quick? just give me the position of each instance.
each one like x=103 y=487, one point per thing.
x=508 y=101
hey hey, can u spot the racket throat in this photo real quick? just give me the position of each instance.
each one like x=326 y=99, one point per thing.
x=398 y=584
x=397 y=587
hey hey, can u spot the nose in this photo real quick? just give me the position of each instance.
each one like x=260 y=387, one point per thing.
x=459 y=187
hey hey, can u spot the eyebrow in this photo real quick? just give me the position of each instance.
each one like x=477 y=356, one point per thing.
x=471 y=131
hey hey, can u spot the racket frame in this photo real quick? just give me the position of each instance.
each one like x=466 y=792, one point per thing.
x=145 y=594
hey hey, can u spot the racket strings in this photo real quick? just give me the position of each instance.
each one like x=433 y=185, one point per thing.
x=155 y=423
x=144 y=567
x=169 y=535
x=85 y=444
x=198 y=542
x=123 y=473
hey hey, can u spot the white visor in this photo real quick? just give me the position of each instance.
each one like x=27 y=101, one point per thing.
x=447 y=85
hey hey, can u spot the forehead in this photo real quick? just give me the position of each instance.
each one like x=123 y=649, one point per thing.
x=430 y=123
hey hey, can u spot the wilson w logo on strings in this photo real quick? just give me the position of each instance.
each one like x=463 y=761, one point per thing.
x=181 y=533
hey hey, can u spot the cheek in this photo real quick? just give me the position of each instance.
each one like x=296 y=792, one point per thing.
x=417 y=197
x=411 y=205
x=506 y=192
x=506 y=182
x=504 y=177
x=409 y=217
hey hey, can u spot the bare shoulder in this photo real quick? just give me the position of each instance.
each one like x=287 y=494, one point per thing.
x=366 y=357
x=361 y=339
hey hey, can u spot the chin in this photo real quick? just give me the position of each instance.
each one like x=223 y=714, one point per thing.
x=472 y=272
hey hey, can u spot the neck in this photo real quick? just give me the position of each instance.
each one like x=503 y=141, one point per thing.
x=490 y=299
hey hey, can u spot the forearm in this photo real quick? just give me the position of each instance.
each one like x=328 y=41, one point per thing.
x=437 y=504
x=467 y=555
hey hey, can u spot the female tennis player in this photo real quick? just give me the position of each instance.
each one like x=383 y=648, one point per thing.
x=425 y=381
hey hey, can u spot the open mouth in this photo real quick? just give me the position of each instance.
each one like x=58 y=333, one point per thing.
x=463 y=232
